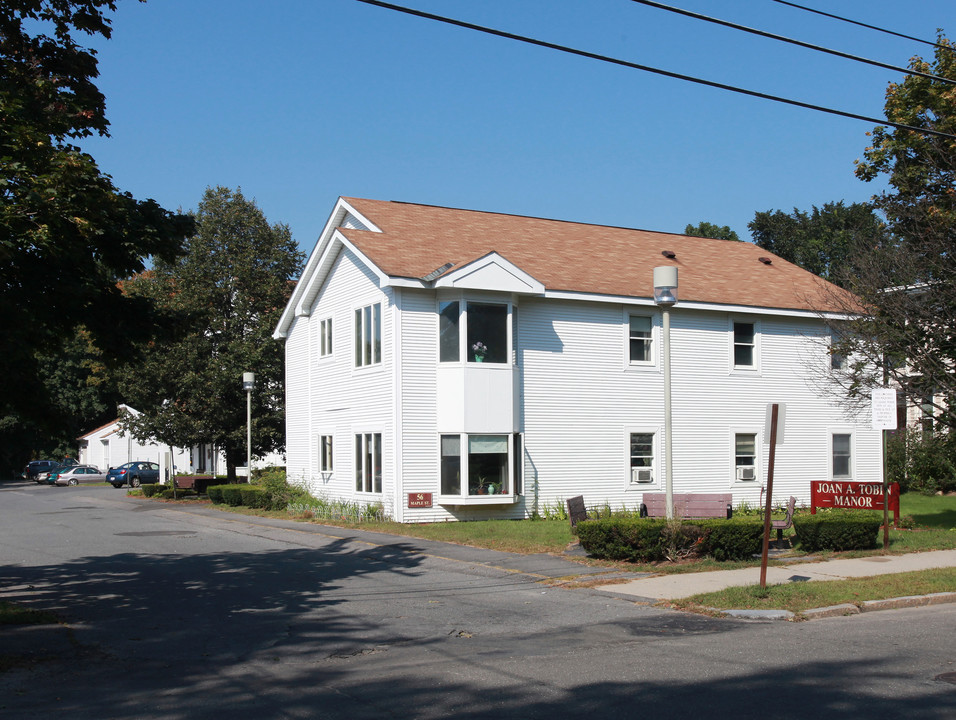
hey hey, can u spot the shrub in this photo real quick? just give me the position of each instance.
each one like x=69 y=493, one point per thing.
x=253 y=496
x=654 y=539
x=231 y=495
x=733 y=539
x=623 y=538
x=151 y=489
x=921 y=462
x=837 y=530
x=278 y=491
x=215 y=493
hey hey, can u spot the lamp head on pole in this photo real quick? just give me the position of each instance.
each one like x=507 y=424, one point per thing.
x=248 y=381
x=665 y=285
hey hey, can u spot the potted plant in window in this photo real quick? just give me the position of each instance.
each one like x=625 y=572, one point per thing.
x=480 y=350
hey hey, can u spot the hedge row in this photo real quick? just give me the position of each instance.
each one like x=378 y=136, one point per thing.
x=837 y=530
x=235 y=495
x=654 y=539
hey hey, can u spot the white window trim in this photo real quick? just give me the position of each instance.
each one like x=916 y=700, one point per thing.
x=758 y=455
x=657 y=469
x=325 y=473
x=354 y=438
x=463 y=302
x=841 y=431
x=464 y=498
x=325 y=322
x=744 y=369
x=655 y=318
x=381 y=316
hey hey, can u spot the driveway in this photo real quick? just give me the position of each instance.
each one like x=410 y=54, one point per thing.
x=175 y=613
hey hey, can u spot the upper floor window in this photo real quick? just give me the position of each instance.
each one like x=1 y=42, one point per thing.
x=745 y=344
x=449 y=340
x=325 y=337
x=841 y=455
x=485 y=337
x=639 y=339
x=368 y=335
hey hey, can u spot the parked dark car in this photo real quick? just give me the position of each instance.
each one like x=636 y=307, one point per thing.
x=36 y=468
x=133 y=474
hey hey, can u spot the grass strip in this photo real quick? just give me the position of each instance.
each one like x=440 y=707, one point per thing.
x=800 y=596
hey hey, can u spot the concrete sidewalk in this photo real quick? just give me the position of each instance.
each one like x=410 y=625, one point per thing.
x=671 y=587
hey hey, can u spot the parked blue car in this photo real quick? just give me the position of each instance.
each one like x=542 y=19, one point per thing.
x=133 y=474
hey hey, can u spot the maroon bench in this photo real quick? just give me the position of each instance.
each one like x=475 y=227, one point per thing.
x=689 y=505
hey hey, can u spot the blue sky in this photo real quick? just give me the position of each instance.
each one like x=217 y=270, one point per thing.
x=300 y=101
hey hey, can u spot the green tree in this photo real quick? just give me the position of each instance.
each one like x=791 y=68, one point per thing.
x=67 y=235
x=907 y=281
x=220 y=302
x=823 y=241
x=709 y=230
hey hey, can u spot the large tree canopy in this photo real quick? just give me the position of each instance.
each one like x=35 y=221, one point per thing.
x=823 y=241
x=221 y=302
x=67 y=235
x=909 y=279
x=705 y=229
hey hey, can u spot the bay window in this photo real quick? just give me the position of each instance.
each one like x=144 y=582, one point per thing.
x=485 y=460
x=481 y=329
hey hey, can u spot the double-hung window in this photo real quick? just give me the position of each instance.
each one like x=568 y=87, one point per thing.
x=325 y=337
x=841 y=452
x=745 y=456
x=745 y=344
x=639 y=339
x=642 y=457
x=368 y=462
x=368 y=335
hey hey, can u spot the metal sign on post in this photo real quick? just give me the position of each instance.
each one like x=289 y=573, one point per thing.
x=781 y=417
x=884 y=408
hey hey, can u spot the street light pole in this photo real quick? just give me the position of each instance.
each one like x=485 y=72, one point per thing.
x=248 y=382
x=665 y=296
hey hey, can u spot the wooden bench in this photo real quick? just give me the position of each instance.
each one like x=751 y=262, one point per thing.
x=576 y=510
x=783 y=524
x=690 y=505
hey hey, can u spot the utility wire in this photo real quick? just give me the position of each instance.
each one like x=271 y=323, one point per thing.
x=800 y=43
x=863 y=24
x=647 y=68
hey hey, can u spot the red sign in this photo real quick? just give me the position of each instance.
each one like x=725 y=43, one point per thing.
x=419 y=500
x=854 y=495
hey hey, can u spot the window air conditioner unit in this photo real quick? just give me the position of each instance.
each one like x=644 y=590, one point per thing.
x=641 y=475
x=746 y=473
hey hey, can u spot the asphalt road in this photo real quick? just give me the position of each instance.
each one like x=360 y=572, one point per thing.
x=175 y=614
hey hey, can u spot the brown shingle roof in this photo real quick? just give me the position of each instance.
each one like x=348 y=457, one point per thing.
x=576 y=257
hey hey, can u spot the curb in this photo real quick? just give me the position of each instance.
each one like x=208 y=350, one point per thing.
x=845 y=609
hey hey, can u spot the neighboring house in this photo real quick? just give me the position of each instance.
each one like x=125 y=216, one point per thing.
x=452 y=364
x=110 y=446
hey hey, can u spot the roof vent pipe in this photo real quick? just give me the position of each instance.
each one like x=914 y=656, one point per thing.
x=765 y=260
x=670 y=254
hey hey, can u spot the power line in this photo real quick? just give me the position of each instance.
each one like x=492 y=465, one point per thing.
x=647 y=68
x=863 y=24
x=800 y=43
